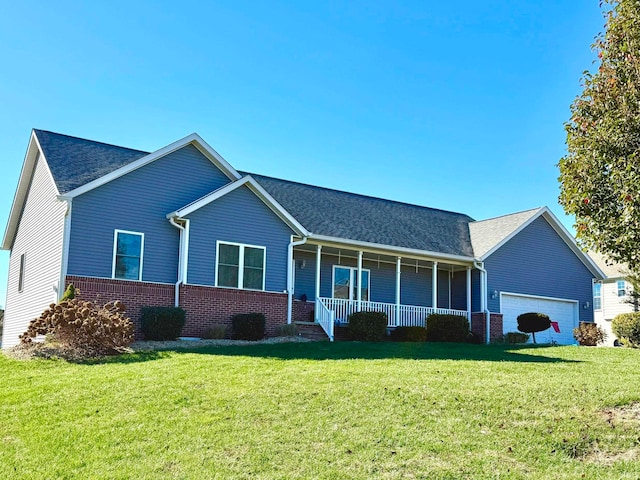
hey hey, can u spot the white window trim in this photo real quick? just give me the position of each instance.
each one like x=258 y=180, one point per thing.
x=115 y=249
x=597 y=296
x=22 y=266
x=241 y=264
x=624 y=288
x=352 y=277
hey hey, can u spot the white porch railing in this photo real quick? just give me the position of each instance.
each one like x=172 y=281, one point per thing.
x=397 y=315
x=326 y=318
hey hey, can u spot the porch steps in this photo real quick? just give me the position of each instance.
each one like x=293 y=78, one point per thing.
x=313 y=331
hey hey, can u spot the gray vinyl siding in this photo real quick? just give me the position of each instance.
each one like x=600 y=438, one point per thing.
x=238 y=217
x=538 y=262
x=415 y=288
x=39 y=236
x=139 y=202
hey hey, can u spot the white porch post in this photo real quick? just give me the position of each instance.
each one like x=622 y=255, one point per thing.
x=434 y=286
x=469 y=295
x=318 y=264
x=397 y=319
x=359 y=292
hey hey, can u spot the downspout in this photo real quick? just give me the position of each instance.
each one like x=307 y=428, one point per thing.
x=483 y=299
x=172 y=221
x=65 y=248
x=290 y=276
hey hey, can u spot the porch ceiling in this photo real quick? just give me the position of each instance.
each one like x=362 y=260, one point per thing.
x=375 y=257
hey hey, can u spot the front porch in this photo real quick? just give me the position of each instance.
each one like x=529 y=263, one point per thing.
x=329 y=311
x=406 y=288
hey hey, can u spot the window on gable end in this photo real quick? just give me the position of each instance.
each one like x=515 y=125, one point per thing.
x=128 y=250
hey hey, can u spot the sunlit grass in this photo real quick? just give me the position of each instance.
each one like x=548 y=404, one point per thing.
x=321 y=410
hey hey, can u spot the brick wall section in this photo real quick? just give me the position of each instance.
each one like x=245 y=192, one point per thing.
x=302 y=311
x=205 y=306
x=478 y=325
x=134 y=295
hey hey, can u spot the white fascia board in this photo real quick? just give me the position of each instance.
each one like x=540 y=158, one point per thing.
x=571 y=241
x=257 y=190
x=208 y=198
x=561 y=231
x=392 y=250
x=193 y=139
x=20 y=196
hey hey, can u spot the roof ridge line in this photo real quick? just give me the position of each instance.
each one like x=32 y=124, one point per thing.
x=357 y=194
x=508 y=215
x=89 y=140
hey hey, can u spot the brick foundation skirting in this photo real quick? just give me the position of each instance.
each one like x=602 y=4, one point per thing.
x=205 y=306
x=478 y=325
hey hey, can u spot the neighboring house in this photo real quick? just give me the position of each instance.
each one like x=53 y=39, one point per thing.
x=610 y=295
x=181 y=226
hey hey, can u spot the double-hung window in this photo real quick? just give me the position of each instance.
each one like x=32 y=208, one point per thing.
x=128 y=249
x=240 y=266
x=597 y=296
x=622 y=288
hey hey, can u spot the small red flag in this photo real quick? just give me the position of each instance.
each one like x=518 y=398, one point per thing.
x=556 y=327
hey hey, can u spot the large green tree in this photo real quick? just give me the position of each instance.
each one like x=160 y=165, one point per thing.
x=600 y=175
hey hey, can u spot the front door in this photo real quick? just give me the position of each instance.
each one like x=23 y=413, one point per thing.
x=345 y=283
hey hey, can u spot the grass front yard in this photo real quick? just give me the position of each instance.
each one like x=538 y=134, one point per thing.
x=321 y=410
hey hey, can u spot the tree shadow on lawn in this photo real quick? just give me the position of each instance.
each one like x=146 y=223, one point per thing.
x=361 y=351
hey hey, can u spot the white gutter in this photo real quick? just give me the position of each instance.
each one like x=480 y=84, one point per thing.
x=483 y=299
x=290 y=276
x=181 y=257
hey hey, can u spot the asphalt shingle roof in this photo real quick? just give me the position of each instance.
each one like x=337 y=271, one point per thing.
x=610 y=269
x=369 y=219
x=75 y=161
x=486 y=234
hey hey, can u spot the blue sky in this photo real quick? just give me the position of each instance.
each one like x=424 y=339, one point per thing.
x=458 y=106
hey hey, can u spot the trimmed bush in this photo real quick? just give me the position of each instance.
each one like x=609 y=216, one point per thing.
x=409 y=334
x=162 y=323
x=82 y=329
x=215 y=332
x=533 y=322
x=368 y=326
x=248 y=326
x=589 y=334
x=514 y=338
x=447 y=328
x=626 y=326
x=287 y=330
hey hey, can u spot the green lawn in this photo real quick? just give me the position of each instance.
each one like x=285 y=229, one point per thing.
x=321 y=410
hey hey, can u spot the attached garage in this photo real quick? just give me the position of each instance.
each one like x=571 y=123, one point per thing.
x=563 y=311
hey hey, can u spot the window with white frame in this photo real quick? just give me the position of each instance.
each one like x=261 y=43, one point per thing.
x=597 y=296
x=240 y=266
x=23 y=259
x=622 y=288
x=345 y=283
x=128 y=250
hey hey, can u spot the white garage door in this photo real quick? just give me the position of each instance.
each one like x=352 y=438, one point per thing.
x=565 y=312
